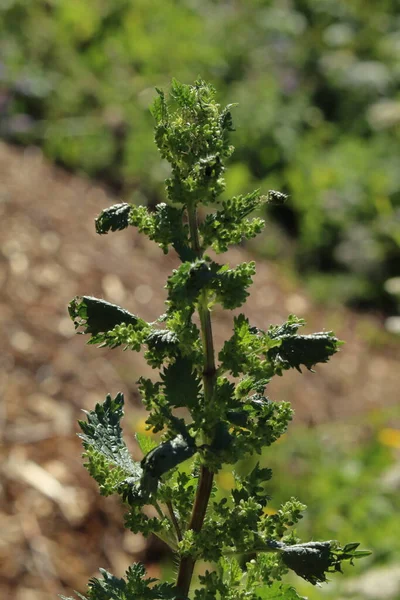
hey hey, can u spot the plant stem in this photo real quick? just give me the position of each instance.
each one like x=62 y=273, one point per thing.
x=174 y=521
x=187 y=563
x=194 y=230
x=204 y=486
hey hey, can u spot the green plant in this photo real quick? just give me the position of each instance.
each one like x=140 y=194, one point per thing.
x=227 y=415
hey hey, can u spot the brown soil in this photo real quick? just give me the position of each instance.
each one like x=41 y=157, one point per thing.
x=55 y=529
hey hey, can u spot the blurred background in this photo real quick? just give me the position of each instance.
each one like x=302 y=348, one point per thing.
x=317 y=84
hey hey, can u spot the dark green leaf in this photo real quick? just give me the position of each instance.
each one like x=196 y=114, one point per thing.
x=310 y=561
x=165 y=226
x=307 y=350
x=161 y=344
x=278 y=198
x=168 y=455
x=186 y=283
x=313 y=560
x=114 y=218
x=98 y=316
x=181 y=383
x=230 y=285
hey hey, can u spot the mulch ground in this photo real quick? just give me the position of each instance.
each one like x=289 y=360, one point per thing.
x=55 y=530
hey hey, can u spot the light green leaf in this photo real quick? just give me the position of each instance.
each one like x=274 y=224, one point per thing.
x=279 y=591
x=145 y=442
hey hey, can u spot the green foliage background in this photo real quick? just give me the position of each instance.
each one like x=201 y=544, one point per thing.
x=349 y=475
x=319 y=111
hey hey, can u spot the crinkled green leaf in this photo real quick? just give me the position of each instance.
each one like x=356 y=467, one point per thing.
x=296 y=350
x=168 y=455
x=181 y=383
x=161 y=344
x=260 y=355
x=114 y=218
x=307 y=350
x=230 y=285
x=314 y=560
x=229 y=225
x=102 y=439
x=134 y=587
x=278 y=198
x=242 y=353
x=252 y=486
x=164 y=226
x=108 y=324
x=186 y=283
x=159 y=460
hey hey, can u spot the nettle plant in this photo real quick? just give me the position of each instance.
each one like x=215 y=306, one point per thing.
x=223 y=414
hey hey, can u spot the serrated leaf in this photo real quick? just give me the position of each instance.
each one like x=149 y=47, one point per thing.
x=230 y=285
x=161 y=344
x=98 y=316
x=164 y=226
x=313 y=560
x=278 y=591
x=159 y=108
x=241 y=355
x=290 y=327
x=229 y=225
x=186 y=283
x=114 y=218
x=145 y=442
x=181 y=383
x=307 y=350
x=134 y=585
x=102 y=434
